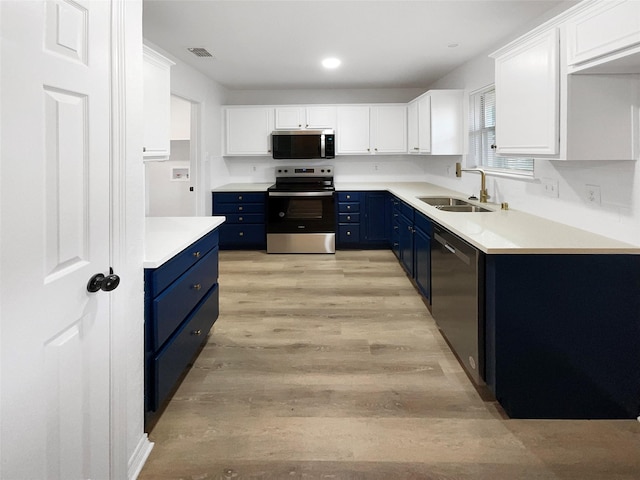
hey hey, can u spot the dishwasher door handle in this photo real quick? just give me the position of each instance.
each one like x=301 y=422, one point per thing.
x=452 y=249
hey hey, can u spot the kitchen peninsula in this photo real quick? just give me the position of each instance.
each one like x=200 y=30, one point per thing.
x=554 y=302
x=181 y=299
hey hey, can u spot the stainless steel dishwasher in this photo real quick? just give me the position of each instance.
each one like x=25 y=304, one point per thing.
x=457 y=289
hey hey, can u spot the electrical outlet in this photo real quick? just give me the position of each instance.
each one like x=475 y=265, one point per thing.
x=593 y=194
x=550 y=187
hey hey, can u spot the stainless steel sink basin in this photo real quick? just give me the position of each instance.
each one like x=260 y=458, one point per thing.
x=450 y=204
x=443 y=201
x=463 y=208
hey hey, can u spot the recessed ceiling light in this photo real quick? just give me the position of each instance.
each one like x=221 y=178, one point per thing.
x=331 y=63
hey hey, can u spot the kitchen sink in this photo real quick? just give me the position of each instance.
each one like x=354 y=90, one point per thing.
x=462 y=208
x=450 y=204
x=443 y=201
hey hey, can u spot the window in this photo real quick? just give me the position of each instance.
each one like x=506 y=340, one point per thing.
x=482 y=135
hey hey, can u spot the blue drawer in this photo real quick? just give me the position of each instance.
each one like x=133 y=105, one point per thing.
x=245 y=218
x=243 y=236
x=423 y=223
x=170 y=308
x=156 y=280
x=349 y=196
x=169 y=364
x=348 y=207
x=407 y=211
x=239 y=197
x=349 y=233
x=225 y=208
x=349 y=218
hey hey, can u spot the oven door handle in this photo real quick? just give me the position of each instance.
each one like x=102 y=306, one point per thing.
x=300 y=194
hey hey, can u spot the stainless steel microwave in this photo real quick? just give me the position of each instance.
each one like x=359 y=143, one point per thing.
x=303 y=144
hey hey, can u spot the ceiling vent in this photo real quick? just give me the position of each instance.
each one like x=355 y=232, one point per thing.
x=200 y=52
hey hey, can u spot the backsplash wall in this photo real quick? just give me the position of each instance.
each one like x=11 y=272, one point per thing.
x=371 y=168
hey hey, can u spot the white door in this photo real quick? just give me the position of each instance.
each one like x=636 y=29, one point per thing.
x=54 y=220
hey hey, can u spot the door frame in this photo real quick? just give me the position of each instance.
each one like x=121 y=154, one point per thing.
x=129 y=445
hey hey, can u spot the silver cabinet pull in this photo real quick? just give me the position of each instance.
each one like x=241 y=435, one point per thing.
x=197 y=287
x=196 y=332
x=196 y=254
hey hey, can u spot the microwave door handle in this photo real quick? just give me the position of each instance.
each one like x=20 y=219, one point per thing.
x=322 y=146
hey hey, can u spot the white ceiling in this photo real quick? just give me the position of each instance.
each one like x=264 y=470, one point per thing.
x=382 y=44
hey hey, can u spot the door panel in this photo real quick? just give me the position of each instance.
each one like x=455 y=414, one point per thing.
x=55 y=216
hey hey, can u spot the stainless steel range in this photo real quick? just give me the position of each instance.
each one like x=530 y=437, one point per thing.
x=300 y=211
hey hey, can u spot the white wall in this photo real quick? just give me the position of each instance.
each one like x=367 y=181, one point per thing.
x=618 y=216
x=374 y=168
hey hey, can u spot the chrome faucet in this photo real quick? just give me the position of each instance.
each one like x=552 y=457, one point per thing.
x=484 y=195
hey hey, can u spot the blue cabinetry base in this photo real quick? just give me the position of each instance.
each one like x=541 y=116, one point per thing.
x=563 y=335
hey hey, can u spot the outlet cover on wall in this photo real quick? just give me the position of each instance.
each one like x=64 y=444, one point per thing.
x=550 y=187
x=592 y=193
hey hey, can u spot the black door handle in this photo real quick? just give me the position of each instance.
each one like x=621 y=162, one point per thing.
x=102 y=282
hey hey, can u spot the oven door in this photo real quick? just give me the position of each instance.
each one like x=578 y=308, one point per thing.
x=301 y=222
x=301 y=212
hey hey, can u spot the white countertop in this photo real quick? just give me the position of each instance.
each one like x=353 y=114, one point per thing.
x=243 y=187
x=498 y=232
x=165 y=237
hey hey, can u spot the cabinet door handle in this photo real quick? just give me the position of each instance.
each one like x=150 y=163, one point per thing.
x=196 y=254
x=197 y=286
x=239 y=197
x=348 y=207
x=348 y=234
x=241 y=234
x=240 y=209
x=240 y=219
x=348 y=217
x=348 y=197
x=196 y=332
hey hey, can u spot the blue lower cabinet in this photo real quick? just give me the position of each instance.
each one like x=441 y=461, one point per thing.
x=422 y=254
x=363 y=219
x=560 y=344
x=245 y=225
x=169 y=363
x=181 y=305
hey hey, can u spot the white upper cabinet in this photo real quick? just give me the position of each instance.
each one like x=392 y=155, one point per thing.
x=312 y=117
x=388 y=129
x=604 y=32
x=248 y=130
x=156 y=105
x=436 y=123
x=371 y=129
x=352 y=132
x=543 y=110
x=527 y=86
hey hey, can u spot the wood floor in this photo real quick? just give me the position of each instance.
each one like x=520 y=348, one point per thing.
x=331 y=367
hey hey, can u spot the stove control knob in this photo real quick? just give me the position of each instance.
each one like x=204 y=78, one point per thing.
x=281 y=214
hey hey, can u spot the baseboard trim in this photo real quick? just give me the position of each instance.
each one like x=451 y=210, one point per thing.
x=139 y=457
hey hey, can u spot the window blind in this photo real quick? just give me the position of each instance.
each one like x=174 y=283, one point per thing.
x=482 y=135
